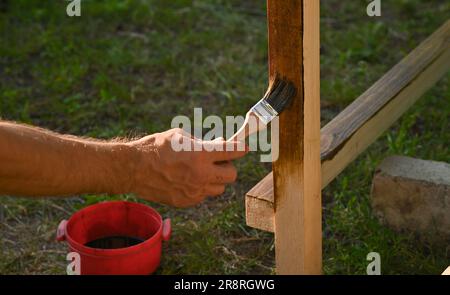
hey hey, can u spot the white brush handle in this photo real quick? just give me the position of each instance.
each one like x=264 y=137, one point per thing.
x=252 y=124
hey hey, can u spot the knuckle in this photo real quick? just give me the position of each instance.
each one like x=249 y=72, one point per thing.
x=193 y=194
x=178 y=130
x=182 y=132
x=174 y=134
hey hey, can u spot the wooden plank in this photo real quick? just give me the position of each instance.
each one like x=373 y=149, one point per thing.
x=312 y=198
x=294 y=54
x=360 y=124
x=262 y=205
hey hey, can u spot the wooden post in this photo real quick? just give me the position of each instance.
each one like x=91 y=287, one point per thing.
x=294 y=53
x=365 y=119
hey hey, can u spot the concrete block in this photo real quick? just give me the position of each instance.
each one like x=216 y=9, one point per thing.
x=413 y=195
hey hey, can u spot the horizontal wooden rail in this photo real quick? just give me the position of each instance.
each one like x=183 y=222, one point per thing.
x=364 y=120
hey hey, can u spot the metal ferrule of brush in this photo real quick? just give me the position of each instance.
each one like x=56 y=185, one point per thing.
x=264 y=111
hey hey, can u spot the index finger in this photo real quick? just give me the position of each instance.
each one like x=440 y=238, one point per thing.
x=225 y=150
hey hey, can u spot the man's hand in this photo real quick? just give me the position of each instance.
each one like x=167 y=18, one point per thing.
x=37 y=162
x=182 y=178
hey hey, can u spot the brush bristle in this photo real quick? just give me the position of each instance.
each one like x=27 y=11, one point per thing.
x=280 y=93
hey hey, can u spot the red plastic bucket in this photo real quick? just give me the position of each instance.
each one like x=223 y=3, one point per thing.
x=117 y=218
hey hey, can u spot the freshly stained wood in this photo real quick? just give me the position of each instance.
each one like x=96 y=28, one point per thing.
x=363 y=121
x=294 y=54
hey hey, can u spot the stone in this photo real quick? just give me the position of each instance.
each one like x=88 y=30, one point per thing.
x=413 y=195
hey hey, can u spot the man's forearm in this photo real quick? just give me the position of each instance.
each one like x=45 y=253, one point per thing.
x=35 y=162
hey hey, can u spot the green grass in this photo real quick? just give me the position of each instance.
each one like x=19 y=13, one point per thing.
x=126 y=68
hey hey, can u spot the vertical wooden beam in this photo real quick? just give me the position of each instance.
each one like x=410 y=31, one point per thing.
x=294 y=53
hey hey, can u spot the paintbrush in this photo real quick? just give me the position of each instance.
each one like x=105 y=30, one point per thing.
x=277 y=97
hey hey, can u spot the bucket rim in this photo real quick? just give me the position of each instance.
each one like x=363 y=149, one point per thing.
x=150 y=242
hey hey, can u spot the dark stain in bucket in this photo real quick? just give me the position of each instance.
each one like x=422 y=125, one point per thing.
x=114 y=242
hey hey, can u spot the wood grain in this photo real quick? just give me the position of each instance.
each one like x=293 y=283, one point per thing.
x=293 y=33
x=363 y=121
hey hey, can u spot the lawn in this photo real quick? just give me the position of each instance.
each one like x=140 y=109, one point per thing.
x=125 y=68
